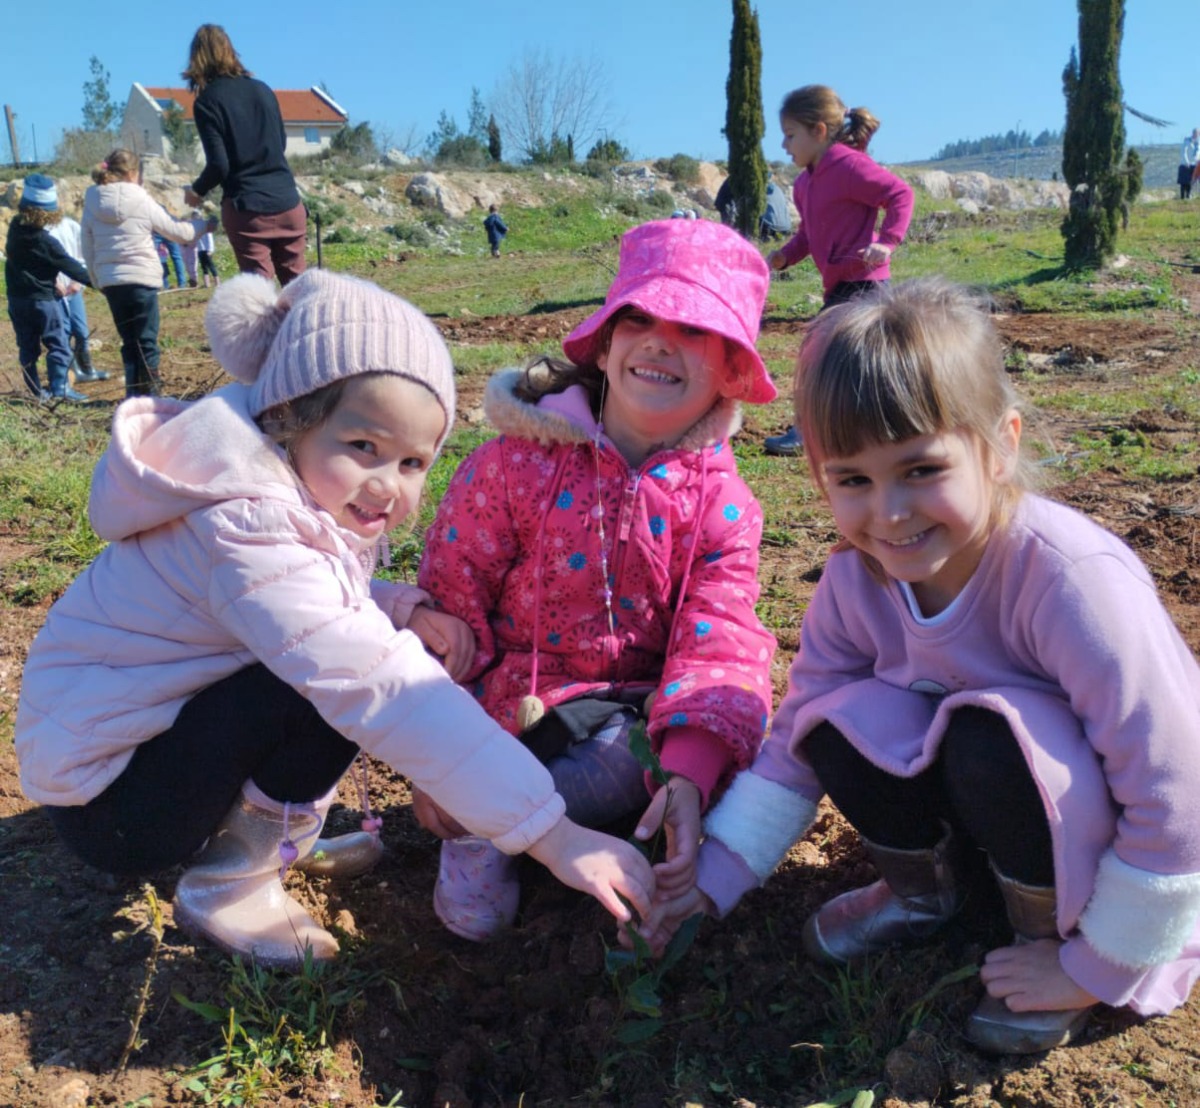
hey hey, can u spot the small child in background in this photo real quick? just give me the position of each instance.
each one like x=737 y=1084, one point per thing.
x=496 y=229
x=972 y=675
x=604 y=552
x=171 y=255
x=33 y=260
x=198 y=692
x=839 y=195
x=120 y=220
x=189 y=255
x=205 y=246
x=74 y=311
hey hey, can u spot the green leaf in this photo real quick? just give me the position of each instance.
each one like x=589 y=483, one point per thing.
x=856 y=1098
x=639 y=747
x=642 y=996
x=637 y=1031
x=617 y=960
x=210 y=1012
x=680 y=942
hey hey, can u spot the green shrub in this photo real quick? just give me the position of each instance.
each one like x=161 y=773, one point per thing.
x=679 y=167
x=415 y=234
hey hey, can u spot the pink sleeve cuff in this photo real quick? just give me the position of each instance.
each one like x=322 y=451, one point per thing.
x=1105 y=980
x=699 y=755
x=723 y=876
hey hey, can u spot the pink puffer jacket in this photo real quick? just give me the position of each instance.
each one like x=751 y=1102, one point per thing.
x=516 y=552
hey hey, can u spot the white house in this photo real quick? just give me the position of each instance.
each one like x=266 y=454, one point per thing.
x=311 y=117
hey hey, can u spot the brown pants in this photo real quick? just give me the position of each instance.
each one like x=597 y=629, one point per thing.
x=268 y=244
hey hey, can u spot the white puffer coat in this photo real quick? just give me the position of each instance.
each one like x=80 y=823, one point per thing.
x=219 y=558
x=118 y=221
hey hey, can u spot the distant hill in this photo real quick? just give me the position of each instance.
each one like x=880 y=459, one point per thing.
x=1044 y=163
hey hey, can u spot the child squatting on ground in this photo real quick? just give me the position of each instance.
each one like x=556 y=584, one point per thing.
x=972 y=676
x=604 y=552
x=839 y=194
x=199 y=691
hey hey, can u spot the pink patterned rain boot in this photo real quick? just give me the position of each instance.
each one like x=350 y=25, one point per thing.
x=477 y=890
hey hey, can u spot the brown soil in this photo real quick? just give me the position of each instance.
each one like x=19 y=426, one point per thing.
x=531 y=1020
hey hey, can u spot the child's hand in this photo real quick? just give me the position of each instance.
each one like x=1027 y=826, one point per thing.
x=676 y=808
x=433 y=818
x=665 y=918
x=776 y=260
x=601 y=865
x=445 y=636
x=1030 y=978
x=876 y=255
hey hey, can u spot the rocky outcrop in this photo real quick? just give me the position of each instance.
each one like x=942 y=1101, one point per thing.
x=977 y=192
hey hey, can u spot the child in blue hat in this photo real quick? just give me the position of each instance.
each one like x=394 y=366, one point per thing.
x=34 y=259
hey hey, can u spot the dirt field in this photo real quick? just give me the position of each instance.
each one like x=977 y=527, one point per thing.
x=529 y=1020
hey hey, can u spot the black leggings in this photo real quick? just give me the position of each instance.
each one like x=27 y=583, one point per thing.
x=979 y=784
x=181 y=783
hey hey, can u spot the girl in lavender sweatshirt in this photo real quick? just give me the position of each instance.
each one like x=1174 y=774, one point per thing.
x=980 y=668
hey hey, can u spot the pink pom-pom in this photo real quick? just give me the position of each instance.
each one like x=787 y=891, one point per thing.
x=373 y=825
x=288 y=853
x=242 y=320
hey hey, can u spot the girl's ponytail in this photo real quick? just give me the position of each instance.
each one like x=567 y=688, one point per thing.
x=120 y=165
x=815 y=104
x=858 y=125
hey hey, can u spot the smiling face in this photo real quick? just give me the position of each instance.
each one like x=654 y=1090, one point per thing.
x=662 y=377
x=921 y=507
x=804 y=144
x=366 y=464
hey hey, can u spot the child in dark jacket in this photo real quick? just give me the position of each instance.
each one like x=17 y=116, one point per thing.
x=496 y=230
x=34 y=259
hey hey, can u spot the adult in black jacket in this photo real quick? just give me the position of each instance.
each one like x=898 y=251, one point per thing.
x=241 y=130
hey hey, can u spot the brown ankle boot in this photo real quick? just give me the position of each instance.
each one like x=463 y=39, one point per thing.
x=918 y=891
x=993 y=1027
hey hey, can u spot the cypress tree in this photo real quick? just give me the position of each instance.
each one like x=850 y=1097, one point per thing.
x=1094 y=139
x=493 y=138
x=744 y=120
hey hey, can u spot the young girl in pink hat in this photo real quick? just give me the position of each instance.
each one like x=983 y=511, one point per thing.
x=604 y=551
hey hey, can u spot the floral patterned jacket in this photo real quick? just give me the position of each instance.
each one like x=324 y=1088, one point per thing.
x=533 y=522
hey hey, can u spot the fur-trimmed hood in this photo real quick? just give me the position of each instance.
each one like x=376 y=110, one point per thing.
x=566 y=417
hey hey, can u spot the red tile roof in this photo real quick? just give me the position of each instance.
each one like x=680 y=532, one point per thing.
x=296 y=105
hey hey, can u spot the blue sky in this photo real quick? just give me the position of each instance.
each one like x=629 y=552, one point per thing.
x=932 y=70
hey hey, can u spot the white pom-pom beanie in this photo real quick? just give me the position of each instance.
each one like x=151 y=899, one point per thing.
x=320 y=328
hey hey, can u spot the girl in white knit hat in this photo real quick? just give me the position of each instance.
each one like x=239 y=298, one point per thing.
x=199 y=691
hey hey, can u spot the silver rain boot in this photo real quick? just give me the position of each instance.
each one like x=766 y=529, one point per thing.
x=346 y=855
x=993 y=1027
x=233 y=894
x=917 y=893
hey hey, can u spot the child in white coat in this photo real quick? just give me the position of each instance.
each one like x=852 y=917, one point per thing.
x=198 y=692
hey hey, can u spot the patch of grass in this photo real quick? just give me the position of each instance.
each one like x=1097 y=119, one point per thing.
x=44 y=486
x=275 y=1029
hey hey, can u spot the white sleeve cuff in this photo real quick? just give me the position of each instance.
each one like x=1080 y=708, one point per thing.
x=1136 y=918
x=759 y=820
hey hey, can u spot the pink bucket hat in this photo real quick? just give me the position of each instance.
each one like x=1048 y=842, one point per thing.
x=689 y=271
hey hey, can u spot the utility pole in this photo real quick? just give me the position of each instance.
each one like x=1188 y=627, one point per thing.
x=9 y=116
